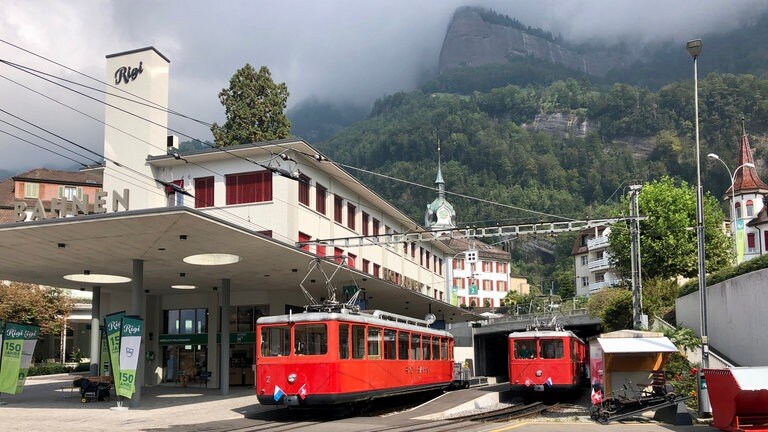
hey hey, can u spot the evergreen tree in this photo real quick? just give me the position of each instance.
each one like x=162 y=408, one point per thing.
x=254 y=105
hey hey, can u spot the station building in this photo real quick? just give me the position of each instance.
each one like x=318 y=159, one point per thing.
x=201 y=244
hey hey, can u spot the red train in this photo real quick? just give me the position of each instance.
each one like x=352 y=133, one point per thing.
x=329 y=358
x=546 y=360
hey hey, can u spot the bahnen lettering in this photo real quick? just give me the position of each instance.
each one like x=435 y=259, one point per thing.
x=63 y=208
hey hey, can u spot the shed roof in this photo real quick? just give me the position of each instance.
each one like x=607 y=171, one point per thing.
x=636 y=345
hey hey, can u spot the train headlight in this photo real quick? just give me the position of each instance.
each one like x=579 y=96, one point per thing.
x=292 y=378
x=538 y=373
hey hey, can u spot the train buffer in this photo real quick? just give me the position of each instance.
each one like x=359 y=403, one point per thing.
x=739 y=398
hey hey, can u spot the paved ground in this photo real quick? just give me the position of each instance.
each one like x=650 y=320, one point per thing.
x=44 y=406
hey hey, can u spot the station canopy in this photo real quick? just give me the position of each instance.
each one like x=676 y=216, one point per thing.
x=43 y=252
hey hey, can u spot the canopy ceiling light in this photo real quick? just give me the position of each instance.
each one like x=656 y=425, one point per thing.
x=184 y=287
x=212 y=259
x=93 y=278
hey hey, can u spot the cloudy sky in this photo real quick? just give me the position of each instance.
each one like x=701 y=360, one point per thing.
x=348 y=50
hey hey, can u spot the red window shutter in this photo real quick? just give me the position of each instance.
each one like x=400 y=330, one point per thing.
x=203 y=192
x=304 y=238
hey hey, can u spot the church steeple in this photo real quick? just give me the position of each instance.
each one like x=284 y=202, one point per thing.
x=746 y=179
x=440 y=214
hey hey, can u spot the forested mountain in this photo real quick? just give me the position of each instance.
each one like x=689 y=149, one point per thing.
x=491 y=148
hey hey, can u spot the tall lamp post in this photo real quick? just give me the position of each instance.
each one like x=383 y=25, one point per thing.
x=713 y=156
x=694 y=49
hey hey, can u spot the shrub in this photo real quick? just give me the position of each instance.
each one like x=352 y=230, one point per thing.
x=47 y=369
x=754 y=264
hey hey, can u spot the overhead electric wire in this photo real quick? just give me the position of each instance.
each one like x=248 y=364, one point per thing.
x=38 y=74
x=166 y=109
x=49 y=141
x=43 y=148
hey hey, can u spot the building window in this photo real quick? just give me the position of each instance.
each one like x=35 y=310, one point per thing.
x=765 y=240
x=413 y=249
x=70 y=192
x=304 y=189
x=737 y=206
x=375 y=230
x=320 y=195
x=338 y=255
x=584 y=260
x=750 y=208
x=204 y=192
x=584 y=239
x=249 y=187
x=584 y=281
x=351 y=210
x=428 y=258
x=377 y=270
x=440 y=266
x=31 y=190
x=304 y=238
x=751 y=242
x=320 y=251
x=175 y=197
x=366 y=266
x=351 y=260
x=366 y=219
x=338 y=204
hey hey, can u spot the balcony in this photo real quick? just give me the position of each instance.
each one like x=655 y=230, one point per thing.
x=599 y=264
x=599 y=285
x=597 y=243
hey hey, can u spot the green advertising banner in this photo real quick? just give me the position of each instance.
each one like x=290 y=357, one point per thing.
x=739 y=241
x=30 y=340
x=112 y=326
x=130 y=344
x=455 y=295
x=13 y=346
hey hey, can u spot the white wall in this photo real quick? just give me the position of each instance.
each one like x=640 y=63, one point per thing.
x=735 y=317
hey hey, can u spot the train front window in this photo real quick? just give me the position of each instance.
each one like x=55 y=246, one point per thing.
x=390 y=352
x=402 y=345
x=435 y=348
x=343 y=341
x=275 y=341
x=415 y=347
x=310 y=339
x=552 y=349
x=374 y=343
x=358 y=341
x=525 y=349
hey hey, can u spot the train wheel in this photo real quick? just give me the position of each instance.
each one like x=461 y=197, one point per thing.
x=83 y=400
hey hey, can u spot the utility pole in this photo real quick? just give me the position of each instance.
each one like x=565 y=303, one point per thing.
x=637 y=282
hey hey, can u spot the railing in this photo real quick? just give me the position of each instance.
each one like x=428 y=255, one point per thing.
x=541 y=316
x=597 y=242
x=599 y=264
x=599 y=285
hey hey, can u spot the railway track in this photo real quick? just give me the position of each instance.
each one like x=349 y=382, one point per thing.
x=510 y=413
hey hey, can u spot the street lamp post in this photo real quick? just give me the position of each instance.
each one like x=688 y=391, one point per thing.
x=713 y=156
x=694 y=49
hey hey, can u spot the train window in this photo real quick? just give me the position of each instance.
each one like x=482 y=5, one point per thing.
x=390 y=350
x=374 y=343
x=358 y=341
x=343 y=341
x=415 y=347
x=425 y=347
x=275 y=341
x=525 y=349
x=552 y=349
x=402 y=345
x=444 y=348
x=435 y=348
x=310 y=339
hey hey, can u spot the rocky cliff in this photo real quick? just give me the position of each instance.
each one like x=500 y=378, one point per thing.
x=473 y=41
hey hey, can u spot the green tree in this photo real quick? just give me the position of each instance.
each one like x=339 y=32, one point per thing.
x=254 y=106
x=668 y=241
x=613 y=306
x=32 y=304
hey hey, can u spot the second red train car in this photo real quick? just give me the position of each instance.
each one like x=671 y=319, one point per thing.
x=546 y=360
